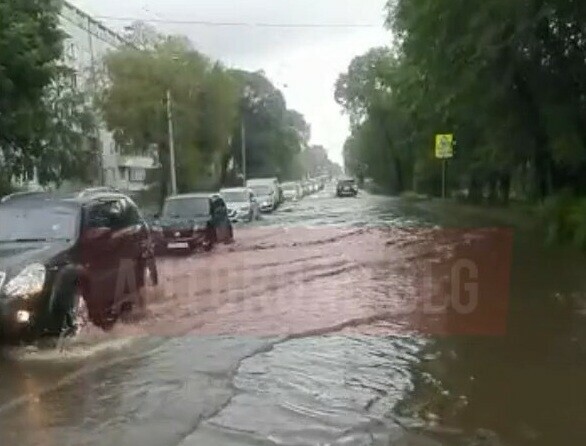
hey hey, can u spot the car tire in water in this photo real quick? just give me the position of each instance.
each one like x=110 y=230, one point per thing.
x=230 y=238
x=135 y=308
x=152 y=271
x=71 y=312
x=210 y=240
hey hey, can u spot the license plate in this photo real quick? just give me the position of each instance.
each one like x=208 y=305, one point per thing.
x=178 y=245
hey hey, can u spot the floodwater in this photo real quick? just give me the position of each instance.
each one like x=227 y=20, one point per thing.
x=297 y=334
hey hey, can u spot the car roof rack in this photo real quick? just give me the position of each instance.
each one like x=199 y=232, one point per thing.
x=20 y=194
x=97 y=190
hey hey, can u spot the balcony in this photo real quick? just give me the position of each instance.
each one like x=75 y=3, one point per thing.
x=137 y=161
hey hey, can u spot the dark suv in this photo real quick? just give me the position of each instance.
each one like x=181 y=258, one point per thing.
x=67 y=260
x=347 y=188
x=192 y=221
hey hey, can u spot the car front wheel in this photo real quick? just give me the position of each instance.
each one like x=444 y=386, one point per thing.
x=210 y=240
x=151 y=271
x=230 y=238
x=71 y=313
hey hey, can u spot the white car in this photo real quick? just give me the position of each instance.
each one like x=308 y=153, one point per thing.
x=267 y=192
x=291 y=191
x=266 y=197
x=241 y=203
x=313 y=186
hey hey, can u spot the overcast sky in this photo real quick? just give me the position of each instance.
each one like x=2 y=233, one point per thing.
x=303 y=62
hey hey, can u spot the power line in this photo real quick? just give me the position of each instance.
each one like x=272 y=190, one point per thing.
x=241 y=24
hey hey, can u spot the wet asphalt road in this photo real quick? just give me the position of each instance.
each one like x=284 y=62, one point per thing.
x=279 y=340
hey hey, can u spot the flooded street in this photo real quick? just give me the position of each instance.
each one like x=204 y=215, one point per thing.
x=298 y=334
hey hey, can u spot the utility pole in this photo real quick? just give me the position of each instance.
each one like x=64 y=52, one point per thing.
x=243 y=138
x=94 y=86
x=171 y=145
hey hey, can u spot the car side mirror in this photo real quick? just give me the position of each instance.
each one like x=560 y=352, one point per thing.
x=157 y=216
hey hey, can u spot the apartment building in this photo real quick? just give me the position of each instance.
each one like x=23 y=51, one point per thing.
x=87 y=42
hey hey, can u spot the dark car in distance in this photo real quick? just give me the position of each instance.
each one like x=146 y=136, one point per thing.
x=68 y=260
x=347 y=188
x=192 y=221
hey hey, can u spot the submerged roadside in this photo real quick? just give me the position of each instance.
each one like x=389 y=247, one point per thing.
x=523 y=387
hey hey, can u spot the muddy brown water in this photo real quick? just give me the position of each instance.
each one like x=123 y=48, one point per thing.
x=296 y=335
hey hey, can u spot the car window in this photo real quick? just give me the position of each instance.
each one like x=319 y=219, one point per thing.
x=131 y=215
x=262 y=190
x=187 y=207
x=219 y=207
x=100 y=215
x=118 y=214
x=234 y=196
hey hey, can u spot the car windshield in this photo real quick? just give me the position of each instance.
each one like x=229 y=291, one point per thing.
x=38 y=223
x=234 y=196
x=289 y=187
x=261 y=190
x=187 y=207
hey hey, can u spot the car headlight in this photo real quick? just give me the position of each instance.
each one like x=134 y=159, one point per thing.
x=30 y=281
x=198 y=226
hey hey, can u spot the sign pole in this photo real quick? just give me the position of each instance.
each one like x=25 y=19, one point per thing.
x=444 y=149
x=444 y=166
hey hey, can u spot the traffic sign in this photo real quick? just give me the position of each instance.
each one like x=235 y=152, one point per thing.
x=444 y=146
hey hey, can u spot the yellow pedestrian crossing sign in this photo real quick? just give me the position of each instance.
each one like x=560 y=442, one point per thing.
x=444 y=146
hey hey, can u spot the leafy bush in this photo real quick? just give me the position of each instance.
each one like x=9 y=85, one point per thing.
x=564 y=218
x=413 y=196
x=577 y=221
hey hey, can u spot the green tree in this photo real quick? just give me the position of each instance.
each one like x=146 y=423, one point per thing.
x=380 y=129
x=315 y=162
x=275 y=135
x=203 y=106
x=43 y=117
x=507 y=78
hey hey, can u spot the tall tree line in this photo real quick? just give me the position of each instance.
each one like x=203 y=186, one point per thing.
x=507 y=78
x=47 y=121
x=213 y=109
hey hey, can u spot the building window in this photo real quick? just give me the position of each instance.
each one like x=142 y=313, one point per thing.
x=73 y=51
x=137 y=175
